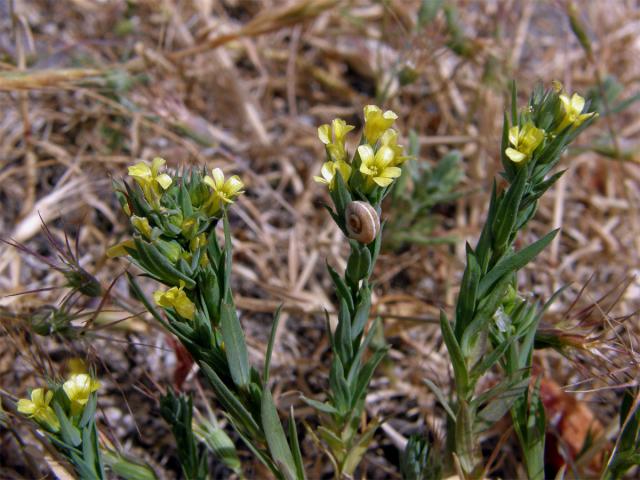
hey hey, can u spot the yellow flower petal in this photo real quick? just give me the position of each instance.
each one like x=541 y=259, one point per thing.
x=324 y=133
x=218 y=178
x=140 y=170
x=513 y=135
x=164 y=180
x=233 y=185
x=514 y=155
x=384 y=156
x=391 y=172
x=120 y=249
x=382 y=181
x=320 y=180
x=366 y=154
x=26 y=406
x=577 y=103
x=156 y=164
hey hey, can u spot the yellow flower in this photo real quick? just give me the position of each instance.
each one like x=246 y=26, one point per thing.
x=150 y=178
x=38 y=408
x=141 y=224
x=524 y=140
x=176 y=298
x=223 y=191
x=119 y=250
x=333 y=137
x=390 y=139
x=379 y=166
x=328 y=172
x=376 y=122
x=78 y=389
x=573 y=111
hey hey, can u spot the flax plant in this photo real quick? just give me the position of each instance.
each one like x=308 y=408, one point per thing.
x=493 y=326
x=173 y=219
x=65 y=413
x=357 y=187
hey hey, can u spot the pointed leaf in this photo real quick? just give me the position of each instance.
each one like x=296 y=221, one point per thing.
x=457 y=359
x=295 y=447
x=514 y=262
x=272 y=338
x=276 y=438
x=235 y=345
x=441 y=397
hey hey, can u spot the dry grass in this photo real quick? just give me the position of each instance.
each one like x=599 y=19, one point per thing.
x=88 y=87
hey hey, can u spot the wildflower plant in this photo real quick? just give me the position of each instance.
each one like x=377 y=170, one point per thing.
x=493 y=325
x=173 y=219
x=66 y=415
x=357 y=187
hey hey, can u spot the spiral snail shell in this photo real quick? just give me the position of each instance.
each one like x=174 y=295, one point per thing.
x=363 y=223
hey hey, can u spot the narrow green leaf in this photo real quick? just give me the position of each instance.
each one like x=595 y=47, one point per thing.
x=342 y=337
x=341 y=287
x=88 y=453
x=235 y=345
x=260 y=453
x=341 y=197
x=185 y=201
x=441 y=397
x=457 y=359
x=276 y=438
x=88 y=414
x=365 y=375
x=514 y=262
x=228 y=256
x=272 y=338
x=232 y=403
x=339 y=387
x=335 y=443
x=70 y=434
x=502 y=401
x=171 y=274
x=489 y=360
x=295 y=446
x=320 y=406
x=483 y=247
x=468 y=292
x=507 y=212
x=354 y=370
x=362 y=313
x=484 y=314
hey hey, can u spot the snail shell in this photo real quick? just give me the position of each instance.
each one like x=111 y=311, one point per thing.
x=363 y=222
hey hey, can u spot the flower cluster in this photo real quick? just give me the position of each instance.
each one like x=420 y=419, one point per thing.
x=378 y=158
x=172 y=217
x=531 y=134
x=66 y=413
x=77 y=389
